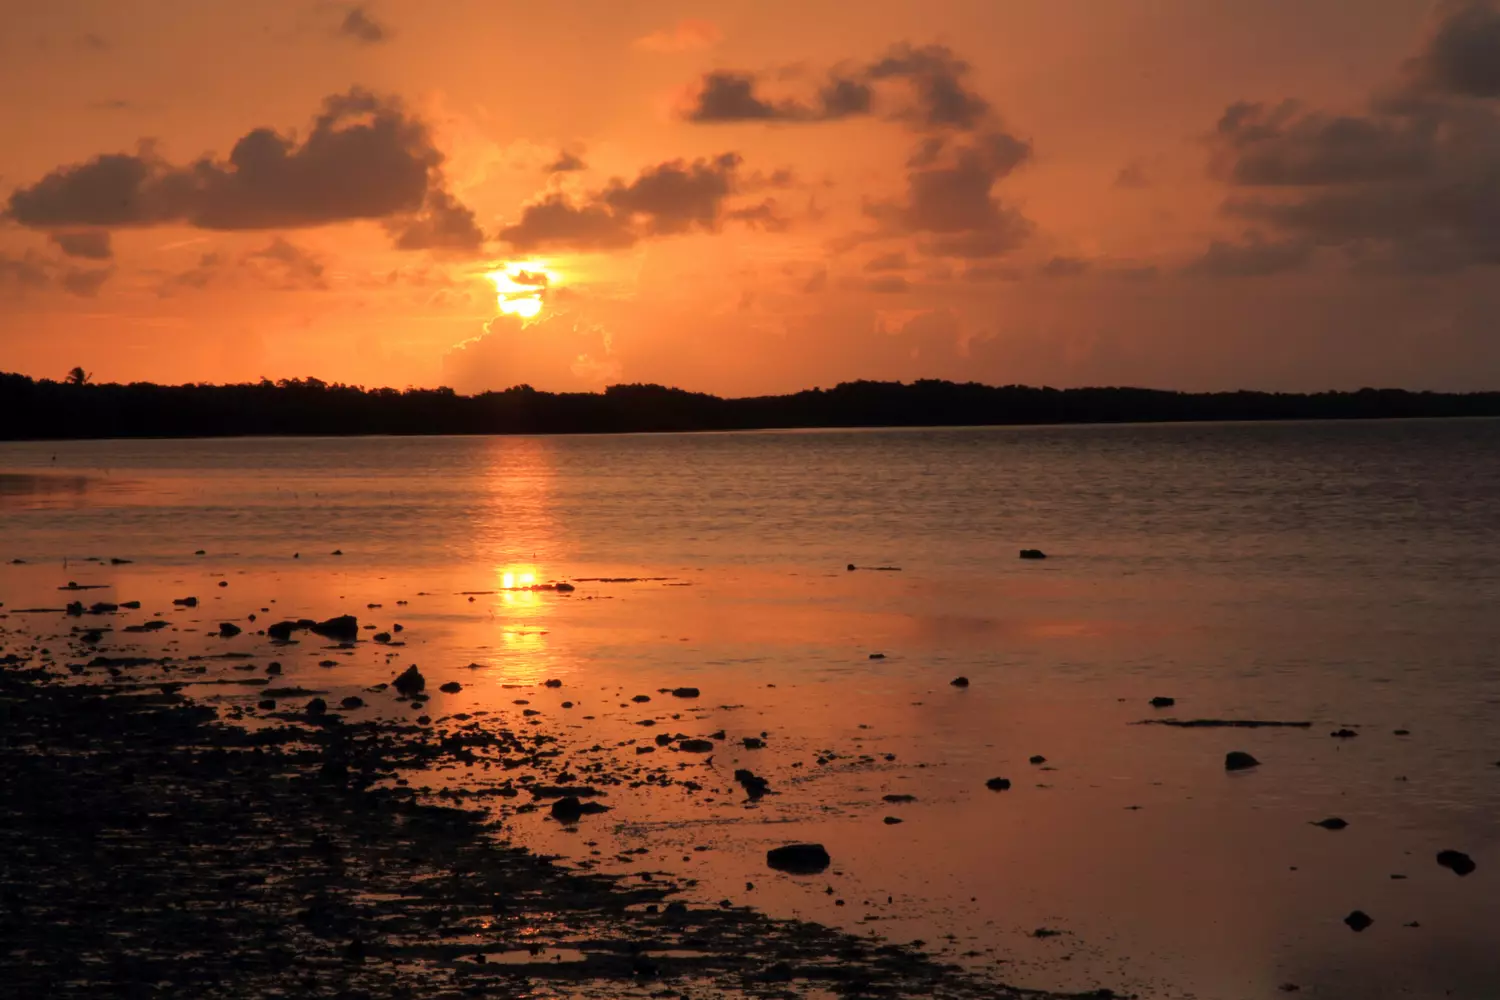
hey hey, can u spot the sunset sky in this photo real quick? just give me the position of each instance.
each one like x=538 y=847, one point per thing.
x=744 y=197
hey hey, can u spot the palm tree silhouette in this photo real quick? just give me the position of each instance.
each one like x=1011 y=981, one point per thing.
x=78 y=376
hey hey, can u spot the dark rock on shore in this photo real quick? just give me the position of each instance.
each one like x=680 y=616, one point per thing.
x=1037 y=759
x=185 y=602
x=755 y=786
x=1223 y=723
x=959 y=682
x=998 y=784
x=228 y=630
x=1161 y=702
x=452 y=687
x=900 y=798
x=1033 y=554
x=753 y=743
x=317 y=707
x=893 y=820
x=569 y=809
x=410 y=681
x=685 y=692
x=1457 y=862
x=344 y=628
x=799 y=859
x=1239 y=760
x=696 y=746
x=353 y=701
x=281 y=631
x=1358 y=920
x=1331 y=823
x=1343 y=734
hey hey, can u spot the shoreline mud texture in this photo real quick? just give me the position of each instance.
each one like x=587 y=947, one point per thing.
x=151 y=850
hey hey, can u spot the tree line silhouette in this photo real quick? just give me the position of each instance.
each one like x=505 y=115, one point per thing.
x=34 y=409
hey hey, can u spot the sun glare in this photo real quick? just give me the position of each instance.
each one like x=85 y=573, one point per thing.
x=520 y=287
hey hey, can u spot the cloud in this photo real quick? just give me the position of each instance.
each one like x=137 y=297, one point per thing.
x=893 y=261
x=1463 y=54
x=937 y=75
x=32 y=272
x=559 y=353
x=286 y=267
x=1065 y=267
x=764 y=216
x=951 y=202
x=730 y=97
x=1251 y=259
x=361 y=27
x=1133 y=175
x=91 y=244
x=1410 y=182
x=890 y=284
x=566 y=162
x=666 y=199
x=280 y=266
x=365 y=157
x=443 y=224
x=688 y=34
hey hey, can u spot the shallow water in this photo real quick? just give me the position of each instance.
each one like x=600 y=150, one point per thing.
x=1342 y=574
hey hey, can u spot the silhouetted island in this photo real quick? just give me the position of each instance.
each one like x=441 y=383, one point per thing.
x=32 y=409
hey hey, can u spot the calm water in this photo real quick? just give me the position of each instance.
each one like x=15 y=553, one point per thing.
x=1345 y=574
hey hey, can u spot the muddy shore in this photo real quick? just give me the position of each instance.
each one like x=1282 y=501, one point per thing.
x=154 y=849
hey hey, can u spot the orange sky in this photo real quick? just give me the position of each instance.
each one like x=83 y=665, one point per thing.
x=753 y=196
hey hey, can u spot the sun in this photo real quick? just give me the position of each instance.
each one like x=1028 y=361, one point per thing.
x=520 y=287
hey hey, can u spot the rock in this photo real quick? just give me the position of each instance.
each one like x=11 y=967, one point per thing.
x=569 y=809
x=1400 y=732
x=799 y=859
x=1238 y=760
x=998 y=784
x=640 y=698
x=185 y=602
x=684 y=692
x=716 y=735
x=228 y=630
x=273 y=668
x=753 y=743
x=1331 y=823
x=553 y=684
x=696 y=746
x=1343 y=734
x=317 y=707
x=103 y=608
x=959 y=682
x=75 y=608
x=344 y=628
x=755 y=786
x=381 y=637
x=281 y=631
x=877 y=656
x=452 y=687
x=900 y=798
x=1358 y=920
x=337 y=552
x=892 y=820
x=266 y=703
x=1456 y=861
x=851 y=567
x=1161 y=702
x=1033 y=554
x=353 y=701
x=662 y=739
x=410 y=681
x=1037 y=758
x=223 y=583
x=565 y=588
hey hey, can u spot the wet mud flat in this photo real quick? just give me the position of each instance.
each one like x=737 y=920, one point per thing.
x=151 y=850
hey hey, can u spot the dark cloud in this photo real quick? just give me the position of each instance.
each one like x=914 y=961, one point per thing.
x=566 y=162
x=1463 y=53
x=444 y=223
x=1251 y=259
x=1133 y=175
x=987 y=273
x=764 y=216
x=664 y=200
x=85 y=283
x=202 y=274
x=953 y=204
x=890 y=284
x=1411 y=182
x=937 y=75
x=1064 y=267
x=730 y=97
x=361 y=27
x=364 y=158
x=91 y=244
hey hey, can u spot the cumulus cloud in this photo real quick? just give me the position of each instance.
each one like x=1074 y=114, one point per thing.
x=444 y=223
x=566 y=162
x=365 y=157
x=280 y=266
x=90 y=244
x=361 y=27
x=730 y=96
x=287 y=267
x=1411 y=181
x=690 y=33
x=950 y=201
x=85 y=283
x=663 y=200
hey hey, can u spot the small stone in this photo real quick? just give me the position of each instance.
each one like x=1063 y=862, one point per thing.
x=185 y=602
x=317 y=707
x=877 y=656
x=1037 y=759
x=959 y=682
x=1331 y=823
x=805 y=859
x=452 y=687
x=1343 y=734
x=1033 y=554
x=892 y=820
x=899 y=798
x=641 y=698
x=353 y=701
x=998 y=784
x=410 y=681
x=381 y=637
x=1358 y=920
x=1238 y=760
x=223 y=583
x=752 y=743
x=1456 y=861
x=1161 y=702
x=266 y=704
x=228 y=630
x=553 y=683
x=696 y=746
x=685 y=692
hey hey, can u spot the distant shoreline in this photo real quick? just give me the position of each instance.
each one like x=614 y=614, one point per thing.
x=44 y=410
